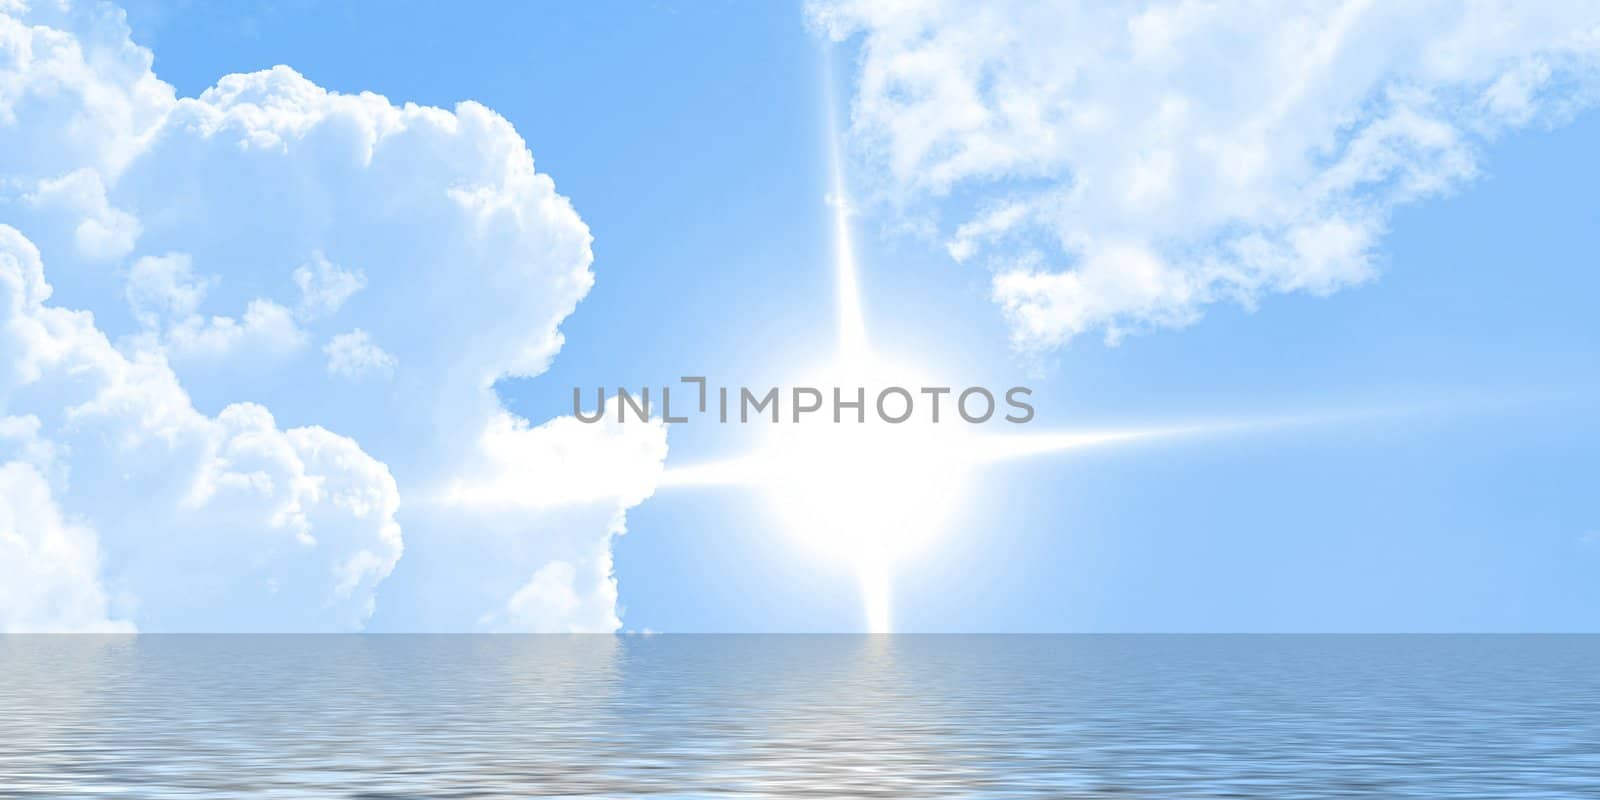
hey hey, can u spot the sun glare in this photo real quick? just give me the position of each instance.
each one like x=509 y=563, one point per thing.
x=867 y=494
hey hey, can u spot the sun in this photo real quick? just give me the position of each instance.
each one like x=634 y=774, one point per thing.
x=866 y=494
x=869 y=494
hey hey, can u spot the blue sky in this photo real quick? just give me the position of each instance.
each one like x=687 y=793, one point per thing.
x=1458 y=492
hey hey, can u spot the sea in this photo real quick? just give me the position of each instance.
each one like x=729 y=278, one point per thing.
x=894 y=716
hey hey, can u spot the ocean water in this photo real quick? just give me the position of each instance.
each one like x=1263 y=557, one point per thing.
x=800 y=716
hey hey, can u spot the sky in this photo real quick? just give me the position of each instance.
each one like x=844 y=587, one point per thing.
x=334 y=335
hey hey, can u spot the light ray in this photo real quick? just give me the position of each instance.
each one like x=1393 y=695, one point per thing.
x=749 y=470
x=1004 y=447
x=852 y=319
x=871 y=493
x=757 y=468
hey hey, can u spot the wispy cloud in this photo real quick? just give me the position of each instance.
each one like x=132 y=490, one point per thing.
x=1120 y=167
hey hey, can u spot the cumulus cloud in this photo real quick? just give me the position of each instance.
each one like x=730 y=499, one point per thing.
x=163 y=288
x=208 y=518
x=353 y=355
x=324 y=286
x=75 y=91
x=1120 y=167
x=563 y=462
x=546 y=603
x=164 y=293
x=236 y=217
x=562 y=476
x=102 y=233
x=266 y=328
x=49 y=564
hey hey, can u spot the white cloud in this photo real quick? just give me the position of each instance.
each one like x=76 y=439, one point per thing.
x=49 y=565
x=20 y=440
x=265 y=329
x=75 y=93
x=231 y=521
x=204 y=512
x=324 y=286
x=164 y=294
x=559 y=599
x=563 y=462
x=547 y=600
x=102 y=233
x=1120 y=167
x=353 y=355
x=163 y=288
x=572 y=476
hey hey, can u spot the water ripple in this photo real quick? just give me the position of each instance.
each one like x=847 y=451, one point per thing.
x=800 y=716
